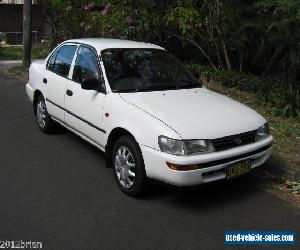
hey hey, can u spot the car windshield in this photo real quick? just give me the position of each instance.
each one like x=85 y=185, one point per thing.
x=136 y=70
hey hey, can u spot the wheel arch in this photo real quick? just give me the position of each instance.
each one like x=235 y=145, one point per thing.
x=113 y=136
x=36 y=94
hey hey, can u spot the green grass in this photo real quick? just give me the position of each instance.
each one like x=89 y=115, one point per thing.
x=286 y=131
x=18 y=69
x=16 y=53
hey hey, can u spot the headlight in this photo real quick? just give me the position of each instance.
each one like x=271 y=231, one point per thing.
x=185 y=147
x=262 y=131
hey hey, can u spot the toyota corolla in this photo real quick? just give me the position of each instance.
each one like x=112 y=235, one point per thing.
x=146 y=111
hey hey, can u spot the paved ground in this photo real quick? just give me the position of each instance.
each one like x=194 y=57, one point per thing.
x=56 y=189
x=12 y=63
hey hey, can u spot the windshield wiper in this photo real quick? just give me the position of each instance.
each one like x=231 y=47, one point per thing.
x=148 y=88
x=158 y=87
x=125 y=90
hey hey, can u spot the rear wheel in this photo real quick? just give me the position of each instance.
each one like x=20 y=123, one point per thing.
x=128 y=166
x=44 y=121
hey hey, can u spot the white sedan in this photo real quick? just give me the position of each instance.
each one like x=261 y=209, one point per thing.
x=152 y=118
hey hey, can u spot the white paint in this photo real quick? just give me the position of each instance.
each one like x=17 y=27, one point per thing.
x=180 y=114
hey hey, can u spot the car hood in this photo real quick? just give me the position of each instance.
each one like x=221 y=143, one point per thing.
x=197 y=113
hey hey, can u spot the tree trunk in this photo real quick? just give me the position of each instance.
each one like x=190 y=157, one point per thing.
x=218 y=27
x=291 y=70
x=273 y=60
x=203 y=52
x=228 y=63
x=241 y=63
x=258 y=55
x=198 y=46
x=27 y=7
x=227 y=60
x=219 y=57
x=212 y=40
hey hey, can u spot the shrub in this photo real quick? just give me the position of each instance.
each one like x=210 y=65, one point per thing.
x=283 y=94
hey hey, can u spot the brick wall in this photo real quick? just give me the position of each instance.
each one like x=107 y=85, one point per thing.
x=11 y=18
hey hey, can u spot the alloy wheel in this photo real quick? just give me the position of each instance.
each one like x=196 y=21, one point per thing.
x=41 y=113
x=125 y=167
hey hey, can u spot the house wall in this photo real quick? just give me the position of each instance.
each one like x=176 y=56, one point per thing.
x=15 y=1
x=11 y=22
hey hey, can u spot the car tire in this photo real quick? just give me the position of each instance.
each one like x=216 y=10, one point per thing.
x=128 y=166
x=44 y=121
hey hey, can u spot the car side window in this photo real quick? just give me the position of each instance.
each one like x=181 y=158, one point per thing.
x=86 y=65
x=60 y=62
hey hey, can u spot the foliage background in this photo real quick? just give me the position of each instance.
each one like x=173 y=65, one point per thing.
x=249 y=44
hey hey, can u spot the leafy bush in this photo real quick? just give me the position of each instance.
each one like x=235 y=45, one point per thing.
x=260 y=36
x=283 y=94
x=140 y=20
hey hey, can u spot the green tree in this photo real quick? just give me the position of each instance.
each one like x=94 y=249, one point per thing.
x=281 y=22
x=260 y=36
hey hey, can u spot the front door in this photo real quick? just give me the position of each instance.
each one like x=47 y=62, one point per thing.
x=84 y=108
x=55 y=78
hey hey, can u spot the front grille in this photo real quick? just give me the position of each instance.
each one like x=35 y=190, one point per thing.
x=210 y=173
x=232 y=141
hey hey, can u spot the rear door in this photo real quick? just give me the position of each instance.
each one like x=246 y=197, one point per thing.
x=55 y=79
x=84 y=108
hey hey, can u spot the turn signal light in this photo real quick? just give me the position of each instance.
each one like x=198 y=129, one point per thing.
x=182 y=167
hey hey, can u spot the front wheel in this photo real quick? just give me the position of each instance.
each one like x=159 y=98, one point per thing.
x=128 y=166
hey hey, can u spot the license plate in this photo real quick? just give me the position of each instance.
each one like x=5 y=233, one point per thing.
x=238 y=169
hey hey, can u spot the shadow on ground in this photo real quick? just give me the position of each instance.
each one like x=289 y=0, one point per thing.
x=197 y=197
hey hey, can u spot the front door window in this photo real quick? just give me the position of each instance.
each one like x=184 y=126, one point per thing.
x=86 y=65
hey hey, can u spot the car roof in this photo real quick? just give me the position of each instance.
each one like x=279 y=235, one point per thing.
x=105 y=43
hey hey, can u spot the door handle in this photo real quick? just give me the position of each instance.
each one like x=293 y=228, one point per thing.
x=45 y=80
x=69 y=92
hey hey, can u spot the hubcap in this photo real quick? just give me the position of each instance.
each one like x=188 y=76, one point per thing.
x=41 y=114
x=125 y=167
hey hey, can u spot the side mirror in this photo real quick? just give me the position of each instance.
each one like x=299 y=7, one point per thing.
x=92 y=83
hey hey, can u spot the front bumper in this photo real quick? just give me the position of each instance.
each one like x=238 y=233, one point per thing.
x=214 y=164
x=30 y=92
